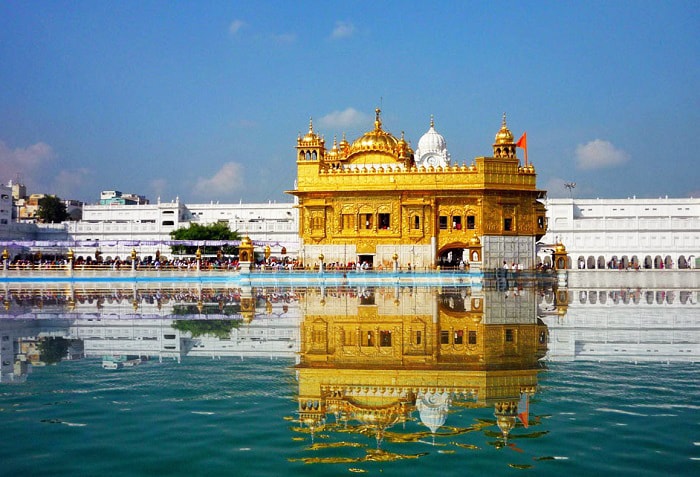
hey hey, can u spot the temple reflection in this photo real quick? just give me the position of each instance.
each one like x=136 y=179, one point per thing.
x=372 y=359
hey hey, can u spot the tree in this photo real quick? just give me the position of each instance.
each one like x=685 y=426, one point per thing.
x=216 y=231
x=53 y=349
x=52 y=210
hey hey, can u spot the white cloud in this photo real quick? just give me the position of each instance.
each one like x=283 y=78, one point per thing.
x=24 y=162
x=599 y=154
x=158 y=186
x=235 y=26
x=348 y=118
x=228 y=179
x=68 y=183
x=343 y=30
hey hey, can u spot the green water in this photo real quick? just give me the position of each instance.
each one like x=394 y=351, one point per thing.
x=235 y=417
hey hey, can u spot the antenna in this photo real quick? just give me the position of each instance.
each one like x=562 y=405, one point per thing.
x=571 y=186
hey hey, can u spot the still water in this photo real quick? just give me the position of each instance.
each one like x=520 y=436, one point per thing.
x=116 y=380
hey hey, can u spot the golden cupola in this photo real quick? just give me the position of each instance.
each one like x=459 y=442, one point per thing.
x=504 y=144
x=310 y=147
x=375 y=147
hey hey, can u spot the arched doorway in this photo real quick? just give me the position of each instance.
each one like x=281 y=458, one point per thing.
x=614 y=262
x=682 y=262
x=668 y=262
x=590 y=263
x=452 y=256
x=634 y=262
x=601 y=262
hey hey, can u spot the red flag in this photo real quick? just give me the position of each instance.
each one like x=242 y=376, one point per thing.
x=524 y=409
x=522 y=143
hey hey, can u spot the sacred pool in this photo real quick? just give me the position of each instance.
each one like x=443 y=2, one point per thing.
x=160 y=376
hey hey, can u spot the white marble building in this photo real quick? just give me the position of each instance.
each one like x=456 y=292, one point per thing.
x=274 y=223
x=614 y=233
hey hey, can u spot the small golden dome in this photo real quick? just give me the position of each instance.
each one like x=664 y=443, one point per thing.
x=504 y=136
x=333 y=153
x=560 y=248
x=245 y=240
x=311 y=135
x=474 y=241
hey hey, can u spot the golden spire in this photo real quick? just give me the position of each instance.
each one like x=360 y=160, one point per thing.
x=504 y=136
x=311 y=124
x=432 y=121
x=377 y=120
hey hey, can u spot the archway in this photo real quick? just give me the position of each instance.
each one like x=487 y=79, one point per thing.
x=452 y=256
x=682 y=262
x=648 y=262
x=668 y=262
x=614 y=262
x=547 y=262
x=590 y=263
x=658 y=262
x=601 y=262
x=634 y=262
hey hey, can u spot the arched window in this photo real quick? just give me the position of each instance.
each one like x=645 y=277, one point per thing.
x=416 y=222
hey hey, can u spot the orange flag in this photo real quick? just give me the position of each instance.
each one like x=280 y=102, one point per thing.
x=522 y=143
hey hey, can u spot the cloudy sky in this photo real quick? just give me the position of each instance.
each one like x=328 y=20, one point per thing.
x=204 y=100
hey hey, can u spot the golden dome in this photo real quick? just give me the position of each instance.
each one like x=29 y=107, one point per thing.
x=311 y=135
x=377 y=140
x=245 y=240
x=560 y=248
x=504 y=136
x=474 y=241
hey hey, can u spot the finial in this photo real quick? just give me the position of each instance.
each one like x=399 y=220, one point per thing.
x=504 y=120
x=335 y=141
x=432 y=121
x=377 y=121
x=311 y=125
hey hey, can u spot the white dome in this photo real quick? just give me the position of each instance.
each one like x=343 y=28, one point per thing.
x=432 y=144
x=432 y=141
x=433 y=408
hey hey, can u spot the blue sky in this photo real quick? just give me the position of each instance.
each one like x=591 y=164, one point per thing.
x=204 y=100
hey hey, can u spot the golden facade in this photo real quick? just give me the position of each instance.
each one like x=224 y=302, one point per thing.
x=370 y=200
x=372 y=357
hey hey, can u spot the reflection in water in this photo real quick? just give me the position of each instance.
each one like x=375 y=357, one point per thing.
x=375 y=368
x=393 y=364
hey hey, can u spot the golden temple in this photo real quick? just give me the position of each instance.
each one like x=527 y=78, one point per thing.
x=376 y=201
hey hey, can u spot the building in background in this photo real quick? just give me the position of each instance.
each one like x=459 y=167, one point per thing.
x=621 y=233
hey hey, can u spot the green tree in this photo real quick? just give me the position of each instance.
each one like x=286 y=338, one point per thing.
x=216 y=231
x=52 y=210
x=53 y=349
x=216 y=328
